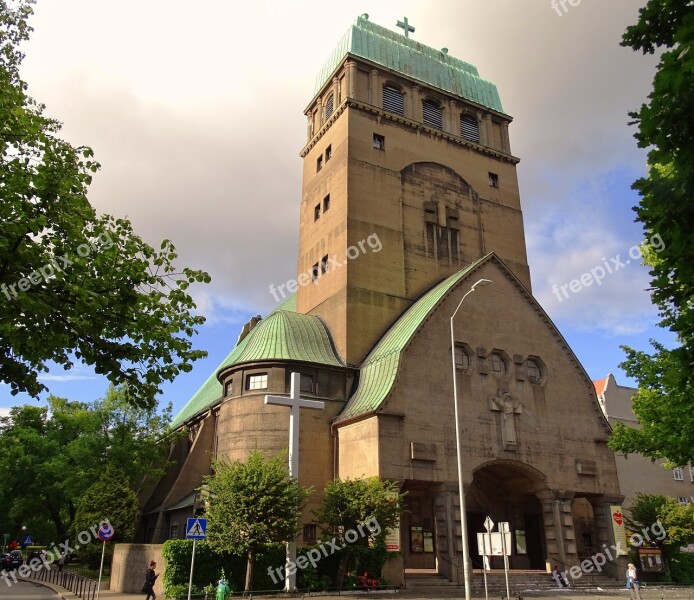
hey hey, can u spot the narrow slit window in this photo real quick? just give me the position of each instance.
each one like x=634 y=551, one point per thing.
x=493 y=180
x=316 y=212
x=393 y=100
x=319 y=163
x=433 y=115
x=469 y=128
x=326 y=203
x=324 y=265
x=328 y=153
x=329 y=106
x=379 y=142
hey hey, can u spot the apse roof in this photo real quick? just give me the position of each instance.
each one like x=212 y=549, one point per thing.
x=283 y=335
x=413 y=59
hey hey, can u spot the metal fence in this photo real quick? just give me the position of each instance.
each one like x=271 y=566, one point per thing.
x=81 y=586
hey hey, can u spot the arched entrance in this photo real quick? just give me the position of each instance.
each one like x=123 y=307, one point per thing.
x=506 y=491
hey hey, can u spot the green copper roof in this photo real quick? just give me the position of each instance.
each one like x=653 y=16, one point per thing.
x=380 y=368
x=413 y=59
x=283 y=335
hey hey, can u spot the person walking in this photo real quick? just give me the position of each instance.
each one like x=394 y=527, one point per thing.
x=150 y=579
x=61 y=562
x=633 y=584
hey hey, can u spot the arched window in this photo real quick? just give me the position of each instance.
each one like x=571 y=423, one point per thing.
x=498 y=364
x=393 y=100
x=463 y=357
x=329 y=106
x=469 y=127
x=433 y=115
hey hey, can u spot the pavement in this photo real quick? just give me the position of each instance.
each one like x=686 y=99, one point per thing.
x=653 y=592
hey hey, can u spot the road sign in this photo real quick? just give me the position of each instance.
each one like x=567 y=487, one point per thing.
x=105 y=533
x=27 y=540
x=196 y=529
x=488 y=524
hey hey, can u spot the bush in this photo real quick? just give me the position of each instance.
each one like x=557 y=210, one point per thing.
x=209 y=566
x=682 y=568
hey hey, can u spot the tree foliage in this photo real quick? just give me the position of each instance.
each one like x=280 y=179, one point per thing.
x=252 y=504
x=676 y=520
x=75 y=285
x=50 y=456
x=664 y=402
x=111 y=498
x=349 y=504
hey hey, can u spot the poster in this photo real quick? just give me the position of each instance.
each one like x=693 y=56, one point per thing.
x=428 y=541
x=416 y=539
x=393 y=533
x=620 y=533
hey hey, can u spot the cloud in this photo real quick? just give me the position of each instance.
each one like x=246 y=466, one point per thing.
x=198 y=122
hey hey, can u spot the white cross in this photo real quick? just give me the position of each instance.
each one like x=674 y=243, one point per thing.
x=296 y=403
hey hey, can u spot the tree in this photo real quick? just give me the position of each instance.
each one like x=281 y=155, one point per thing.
x=252 y=504
x=85 y=285
x=110 y=499
x=350 y=504
x=677 y=523
x=663 y=405
x=49 y=456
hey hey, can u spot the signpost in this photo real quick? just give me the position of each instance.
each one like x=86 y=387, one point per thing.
x=196 y=529
x=105 y=534
x=494 y=544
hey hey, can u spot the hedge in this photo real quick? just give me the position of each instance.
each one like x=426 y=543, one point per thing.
x=209 y=566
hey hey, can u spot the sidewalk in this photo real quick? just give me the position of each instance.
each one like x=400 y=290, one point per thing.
x=103 y=594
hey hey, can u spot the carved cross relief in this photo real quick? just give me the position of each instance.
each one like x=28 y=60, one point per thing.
x=509 y=407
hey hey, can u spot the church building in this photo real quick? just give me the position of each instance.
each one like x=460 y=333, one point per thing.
x=410 y=197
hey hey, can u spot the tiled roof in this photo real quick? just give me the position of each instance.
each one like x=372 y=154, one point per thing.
x=380 y=368
x=600 y=385
x=283 y=335
x=411 y=58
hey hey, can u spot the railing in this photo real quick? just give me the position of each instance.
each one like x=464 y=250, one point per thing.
x=453 y=564
x=81 y=586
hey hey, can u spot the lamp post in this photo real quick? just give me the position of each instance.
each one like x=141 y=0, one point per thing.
x=463 y=521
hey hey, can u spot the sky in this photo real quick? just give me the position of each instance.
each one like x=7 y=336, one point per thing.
x=195 y=112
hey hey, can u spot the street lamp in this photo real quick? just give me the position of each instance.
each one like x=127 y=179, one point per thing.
x=463 y=521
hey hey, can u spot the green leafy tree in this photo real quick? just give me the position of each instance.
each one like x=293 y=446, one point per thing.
x=663 y=405
x=350 y=504
x=110 y=499
x=677 y=522
x=85 y=285
x=50 y=455
x=252 y=504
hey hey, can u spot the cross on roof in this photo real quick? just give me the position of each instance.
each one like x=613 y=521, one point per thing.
x=406 y=26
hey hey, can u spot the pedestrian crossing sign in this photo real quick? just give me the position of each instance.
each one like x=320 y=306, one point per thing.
x=196 y=529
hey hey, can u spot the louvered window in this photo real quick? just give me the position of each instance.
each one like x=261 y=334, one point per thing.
x=393 y=100
x=432 y=114
x=469 y=128
x=329 y=106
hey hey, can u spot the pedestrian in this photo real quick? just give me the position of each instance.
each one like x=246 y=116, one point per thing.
x=558 y=577
x=61 y=562
x=633 y=584
x=150 y=578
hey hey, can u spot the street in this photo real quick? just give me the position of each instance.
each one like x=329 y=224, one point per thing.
x=26 y=590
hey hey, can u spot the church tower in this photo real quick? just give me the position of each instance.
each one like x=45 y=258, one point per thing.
x=408 y=177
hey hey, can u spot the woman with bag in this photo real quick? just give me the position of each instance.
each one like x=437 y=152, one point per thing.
x=150 y=578
x=633 y=584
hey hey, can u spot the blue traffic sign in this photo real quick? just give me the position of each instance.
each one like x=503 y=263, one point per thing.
x=106 y=533
x=27 y=540
x=196 y=529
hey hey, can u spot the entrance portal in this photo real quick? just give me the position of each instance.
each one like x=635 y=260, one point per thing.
x=505 y=491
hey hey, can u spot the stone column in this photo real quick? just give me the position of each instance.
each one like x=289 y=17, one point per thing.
x=350 y=79
x=506 y=143
x=445 y=515
x=374 y=88
x=336 y=93
x=450 y=112
x=488 y=130
x=559 y=527
x=321 y=114
x=604 y=533
x=416 y=104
